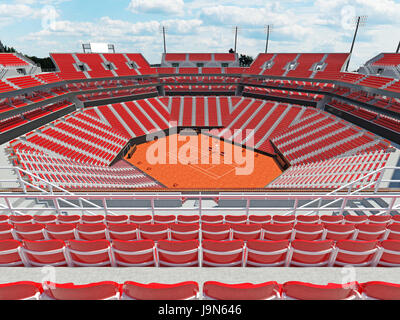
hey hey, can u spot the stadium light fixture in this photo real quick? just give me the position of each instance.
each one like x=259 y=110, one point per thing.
x=268 y=29
x=360 y=21
x=398 y=48
x=236 y=30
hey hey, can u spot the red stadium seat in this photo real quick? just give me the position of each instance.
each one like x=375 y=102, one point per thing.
x=10 y=254
x=91 y=231
x=4 y=219
x=45 y=253
x=21 y=219
x=29 y=231
x=6 y=231
x=165 y=219
x=74 y=219
x=332 y=219
x=338 y=232
x=106 y=290
x=153 y=232
x=369 y=232
x=284 y=219
x=123 y=219
x=92 y=219
x=244 y=291
x=45 y=219
x=379 y=219
x=134 y=253
x=223 y=253
x=308 y=231
x=24 y=290
x=307 y=291
x=246 y=232
x=123 y=231
x=266 y=253
x=141 y=219
x=355 y=219
x=389 y=254
x=188 y=219
x=183 y=232
x=310 y=253
x=355 y=253
x=393 y=232
x=377 y=290
x=235 y=219
x=89 y=253
x=260 y=219
x=210 y=219
x=307 y=219
x=216 y=232
x=178 y=253
x=276 y=232
x=60 y=231
x=154 y=291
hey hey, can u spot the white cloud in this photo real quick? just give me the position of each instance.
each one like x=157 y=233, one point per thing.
x=157 y=6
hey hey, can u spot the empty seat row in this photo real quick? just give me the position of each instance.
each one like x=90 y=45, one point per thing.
x=190 y=290
x=205 y=218
x=165 y=253
x=195 y=231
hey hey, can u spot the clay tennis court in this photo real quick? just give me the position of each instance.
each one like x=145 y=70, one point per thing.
x=200 y=172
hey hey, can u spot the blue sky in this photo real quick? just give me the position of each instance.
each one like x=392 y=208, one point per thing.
x=37 y=27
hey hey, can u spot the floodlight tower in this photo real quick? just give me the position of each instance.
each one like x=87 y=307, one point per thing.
x=164 y=30
x=398 y=48
x=268 y=29
x=360 y=22
x=236 y=31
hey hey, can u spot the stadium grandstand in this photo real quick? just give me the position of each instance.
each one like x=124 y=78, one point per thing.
x=199 y=178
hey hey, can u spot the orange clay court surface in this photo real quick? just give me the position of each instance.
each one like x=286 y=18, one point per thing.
x=201 y=175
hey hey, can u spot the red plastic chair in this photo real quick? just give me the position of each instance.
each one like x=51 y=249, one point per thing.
x=379 y=219
x=308 y=231
x=355 y=253
x=123 y=231
x=244 y=291
x=266 y=253
x=355 y=219
x=310 y=253
x=331 y=219
x=164 y=219
x=134 y=253
x=389 y=254
x=74 y=219
x=91 y=232
x=45 y=253
x=184 y=232
x=20 y=219
x=284 y=219
x=4 y=219
x=178 y=253
x=223 y=253
x=307 y=219
x=60 y=231
x=188 y=219
x=246 y=232
x=120 y=219
x=260 y=219
x=155 y=291
x=140 y=219
x=216 y=232
x=23 y=290
x=33 y=232
x=377 y=290
x=369 y=232
x=96 y=219
x=277 y=232
x=338 y=232
x=153 y=232
x=10 y=254
x=89 y=253
x=210 y=219
x=392 y=232
x=106 y=290
x=235 y=219
x=49 y=219
x=6 y=231
x=294 y=290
